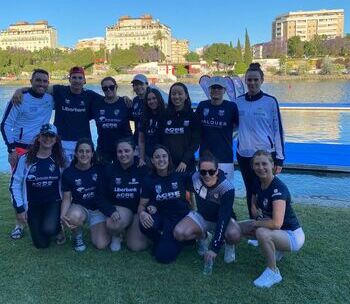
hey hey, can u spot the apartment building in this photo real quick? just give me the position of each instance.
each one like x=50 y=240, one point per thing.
x=179 y=49
x=139 y=31
x=29 y=36
x=306 y=24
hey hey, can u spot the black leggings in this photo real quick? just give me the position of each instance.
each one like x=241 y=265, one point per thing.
x=44 y=222
x=165 y=247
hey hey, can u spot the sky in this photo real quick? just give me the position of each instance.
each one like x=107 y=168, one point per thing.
x=201 y=22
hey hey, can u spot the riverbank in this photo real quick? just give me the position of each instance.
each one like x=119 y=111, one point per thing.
x=60 y=275
x=193 y=79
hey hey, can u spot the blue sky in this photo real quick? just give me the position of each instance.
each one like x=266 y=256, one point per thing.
x=201 y=22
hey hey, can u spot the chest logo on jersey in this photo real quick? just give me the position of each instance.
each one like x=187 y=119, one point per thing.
x=67 y=101
x=32 y=169
x=221 y=112
x=174 y=186
x=82 y=103
x=118 y=180
x=169 y=122
x=133 y=182
x=116 y=112
x=186 y=123
x=94 y=177
x=78 y=182
x=216 y=196
x=102 y=112
x=158 y=188
x=205 y=111
x=52 y=167
x=31 y=177
x=265 y=202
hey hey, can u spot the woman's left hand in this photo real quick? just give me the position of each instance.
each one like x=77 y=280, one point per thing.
x=210 y=255
x=181 y=167
x=127 y=101
x=277 y=170
x=115 y=216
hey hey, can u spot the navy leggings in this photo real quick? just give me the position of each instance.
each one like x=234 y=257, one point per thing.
x=44 y=222
x=165 y=247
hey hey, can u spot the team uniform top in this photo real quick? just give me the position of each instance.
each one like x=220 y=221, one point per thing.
x=37 y=183
x=260 y=126
x=151 y=130
x=73 y=112
x=218 y=123
x=120 y=187
x=277 y=190
x=180 y=133
x=82 y=184
x=215 y=204
x=20 y=124
x=112 y=122
x=137 y=111
x=167 y=193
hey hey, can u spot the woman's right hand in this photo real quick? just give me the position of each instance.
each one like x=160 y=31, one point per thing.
x=146 y=219
x=22 y=218
x=17 y=97
x=65 y=222
x=141 y=162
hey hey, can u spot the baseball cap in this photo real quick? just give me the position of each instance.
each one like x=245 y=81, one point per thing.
x=140 y=77
x=217 y=80
x=76 y=69
x=48 y=129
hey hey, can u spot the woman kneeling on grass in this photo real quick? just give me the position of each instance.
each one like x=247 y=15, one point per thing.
x=276 y=226
x=163 y=205
x=119 y=195
x=79 y=183
x=214 y=198
x=35 y=183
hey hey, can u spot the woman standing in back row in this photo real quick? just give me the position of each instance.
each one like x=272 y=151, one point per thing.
x=260 y=128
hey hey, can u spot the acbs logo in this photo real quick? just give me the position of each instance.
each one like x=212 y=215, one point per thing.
x=158 y=188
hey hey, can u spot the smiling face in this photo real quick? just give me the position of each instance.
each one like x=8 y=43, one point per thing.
x=217 y=92
x=152 y=101
x=109 y=89
x=77 y=81
x=47 y=141
x=139 y=88
x=84 y=154
x=40 y=82
x=125 y=154
x=208 y=172
x=178 y=97
x=263 y=167
x=160 y=160
x=253 y=81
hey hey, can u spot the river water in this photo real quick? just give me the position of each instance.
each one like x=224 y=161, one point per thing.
x=331 y=126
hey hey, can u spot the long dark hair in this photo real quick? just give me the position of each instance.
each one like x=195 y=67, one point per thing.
x=147 y=113
x=170 y=164
x=89 y=142
x=56 y=154
x=187 y=105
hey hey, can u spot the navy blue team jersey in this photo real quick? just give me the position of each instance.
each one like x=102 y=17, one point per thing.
x=82 y=184
x=137 y=110
x=151 y=131
x=42 y=182
x=167 y=193
x=277 y=190
x=73 y=112
x=218 y=123
x=112 y=122
x=121 y=187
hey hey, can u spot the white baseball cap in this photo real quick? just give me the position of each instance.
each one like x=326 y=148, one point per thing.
x=140 y=77
x=217 y=80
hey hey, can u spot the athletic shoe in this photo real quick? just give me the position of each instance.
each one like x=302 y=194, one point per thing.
x=268 y=278
x=253 y=243
x=17 y=233
x=230 y=253
x=279 y=255
x=115 y=244
x=203 y=245
x=78 y=243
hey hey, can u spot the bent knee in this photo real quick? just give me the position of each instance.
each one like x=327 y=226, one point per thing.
x=233 y=236
x=263 y=234
x=100 y=244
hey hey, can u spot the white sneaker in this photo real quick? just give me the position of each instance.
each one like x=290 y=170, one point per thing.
x=203 y=244
x=279 y=255
x=253 y=243
x=268 y=278
x=115 y=244
x=78 y=243
x=230 y=253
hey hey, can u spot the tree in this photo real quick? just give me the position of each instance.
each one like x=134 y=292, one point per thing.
x=220 y=52
x=181 y=70
x=240 y=68
x=295 y=47
x=158 y=39
x=239 y=51
x=192 y=57
x=248 y=55
x=122 y=59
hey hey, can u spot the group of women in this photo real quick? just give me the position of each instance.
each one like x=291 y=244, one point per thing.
x=155 y=194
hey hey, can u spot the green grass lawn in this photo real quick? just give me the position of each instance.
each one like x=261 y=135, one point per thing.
x=319 y=273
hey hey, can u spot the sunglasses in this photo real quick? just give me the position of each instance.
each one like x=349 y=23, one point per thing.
x=106 y=88
x=203 y=172
x=252 y=79
x=216 y=87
